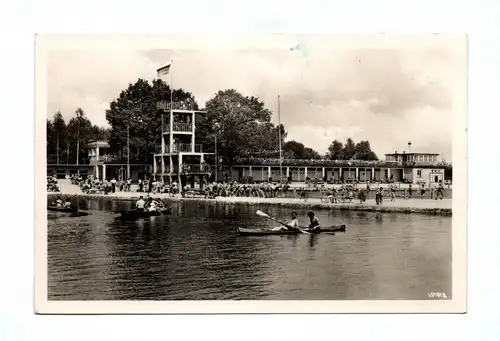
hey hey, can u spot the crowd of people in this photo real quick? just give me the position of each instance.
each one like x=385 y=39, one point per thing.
x=347 y=192
x=52 y=184
x=92 y=185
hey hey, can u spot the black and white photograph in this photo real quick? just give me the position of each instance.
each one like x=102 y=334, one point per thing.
x=251 y=174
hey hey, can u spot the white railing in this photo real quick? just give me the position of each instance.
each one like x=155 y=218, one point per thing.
x=167 y=105
x=102 y=158
x=182 y=127
x=181 y=148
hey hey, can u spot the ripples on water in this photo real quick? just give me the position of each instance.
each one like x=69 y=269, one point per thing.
x=195 y=254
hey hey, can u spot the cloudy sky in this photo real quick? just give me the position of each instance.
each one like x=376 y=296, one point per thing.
x=386 y=96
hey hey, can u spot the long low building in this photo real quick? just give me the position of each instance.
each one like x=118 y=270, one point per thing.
x=418 y=168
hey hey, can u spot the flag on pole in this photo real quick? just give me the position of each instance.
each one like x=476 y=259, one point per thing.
x=163 y=71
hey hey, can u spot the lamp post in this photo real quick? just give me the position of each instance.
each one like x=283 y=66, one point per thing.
x=216 y=130
x=128 y=151
x=279 y=141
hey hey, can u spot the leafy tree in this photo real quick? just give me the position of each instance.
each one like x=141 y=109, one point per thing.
x=80 y=133
x=60 y=136
x=242 y=125
x=297 y=150
x=51 y=146
x=100 y=133
x=135 y=109
x=363 y=151
x=336 y=150
x=349 y=149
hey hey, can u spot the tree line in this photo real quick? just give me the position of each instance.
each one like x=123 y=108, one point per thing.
x=67 y=142
x=242 y=125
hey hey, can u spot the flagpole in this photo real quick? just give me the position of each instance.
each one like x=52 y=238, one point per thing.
x=171 y=117
x=279 y=135
x=171 y=83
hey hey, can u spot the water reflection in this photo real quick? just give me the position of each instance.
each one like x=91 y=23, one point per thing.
x=195 y=254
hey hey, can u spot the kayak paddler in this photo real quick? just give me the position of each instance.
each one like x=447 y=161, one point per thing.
x=292 y=224
x=313 y=221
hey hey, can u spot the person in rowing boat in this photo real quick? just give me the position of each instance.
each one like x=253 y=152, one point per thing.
x=139 y=205
x=313 y=221
x=153 y=205
x=58 y=202
x=67 y=204
x=292 y=224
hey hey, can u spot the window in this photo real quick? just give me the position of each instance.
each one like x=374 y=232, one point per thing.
x=436 y=179
x=419 y=173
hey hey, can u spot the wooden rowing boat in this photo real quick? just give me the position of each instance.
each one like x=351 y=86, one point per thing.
x=263 y=232
x=134 y=214
x=73 y=211
x=62 y=209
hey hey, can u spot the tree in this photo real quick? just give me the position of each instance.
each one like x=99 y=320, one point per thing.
x=100 y=133
x=242 y=125
x=297 y=150
x=336 y=151
x=80 y=133
x=363 y=151
x=60 y=136
x=135 y=108
x=349 y=149
x=51 y=146
x=310 y=153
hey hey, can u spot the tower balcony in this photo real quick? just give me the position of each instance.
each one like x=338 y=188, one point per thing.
x=181 y=148
x=182 y=105
x=178 y=127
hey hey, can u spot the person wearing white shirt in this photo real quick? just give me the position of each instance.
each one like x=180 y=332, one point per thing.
x=292 y=224
x=139 y=205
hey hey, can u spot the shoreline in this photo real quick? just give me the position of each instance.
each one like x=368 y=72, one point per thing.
x=419 y=206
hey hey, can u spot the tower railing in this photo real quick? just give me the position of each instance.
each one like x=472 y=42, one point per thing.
x=167 y=105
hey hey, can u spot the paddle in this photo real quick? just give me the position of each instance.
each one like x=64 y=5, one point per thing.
x=262 y=214
x=158 y=209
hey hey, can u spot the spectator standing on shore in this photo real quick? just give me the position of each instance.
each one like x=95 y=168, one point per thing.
x=379 y=195
x=393 y=192
x=129 y=184
x=422 y=191
x=440 y=191
x=410 y=190
x=113 y=185
x=174 y=187
x=141 y=185
x=150 y=185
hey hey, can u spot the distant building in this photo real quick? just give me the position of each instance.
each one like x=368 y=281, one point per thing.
x=417 y=168
x=104 y=165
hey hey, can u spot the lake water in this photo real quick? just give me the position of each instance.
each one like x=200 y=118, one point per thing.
x=195 y=254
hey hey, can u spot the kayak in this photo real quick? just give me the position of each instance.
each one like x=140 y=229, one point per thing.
x=262 y=232
x=62 y=209
x=133 y=214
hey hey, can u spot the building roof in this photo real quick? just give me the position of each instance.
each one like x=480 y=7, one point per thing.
x=100 y=144
x=399 y=153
